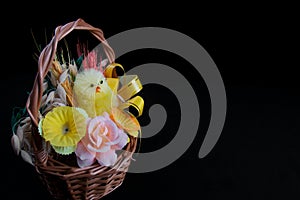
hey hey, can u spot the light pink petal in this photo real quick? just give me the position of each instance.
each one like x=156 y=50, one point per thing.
x=105 y=115
x=93 y=138
x=98 y=141
x=83 y=153
x=86 y=162
x=113 y=134
x=123 y=139
x=108 y=158
x=113 y=142
x=112 y=128
x=92 y=124
x=102 y=148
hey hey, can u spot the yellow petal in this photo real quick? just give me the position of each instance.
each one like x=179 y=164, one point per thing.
x=126 y=121
x=64 y=126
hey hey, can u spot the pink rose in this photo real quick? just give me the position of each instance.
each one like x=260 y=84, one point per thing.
x=102 y=139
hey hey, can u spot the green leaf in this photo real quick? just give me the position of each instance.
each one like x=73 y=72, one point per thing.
x=79 y=61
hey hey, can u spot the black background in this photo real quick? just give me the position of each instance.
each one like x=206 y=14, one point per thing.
x=258 y=153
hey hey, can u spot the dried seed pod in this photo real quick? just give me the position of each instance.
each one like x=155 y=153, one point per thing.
x=57 y=103
x=27 y=120
x=20 y=133
x=44 y=97
x=26 y=157
x=61 y=93
x=50 y=97
x=45 y=86
x=73 y=70
x=63 y=76
x=15 y=142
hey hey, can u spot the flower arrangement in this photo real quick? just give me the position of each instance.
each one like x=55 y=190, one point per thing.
x=77 y=127
x=84 y=111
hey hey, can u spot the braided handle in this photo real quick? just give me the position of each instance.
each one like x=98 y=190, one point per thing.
x=47 y=55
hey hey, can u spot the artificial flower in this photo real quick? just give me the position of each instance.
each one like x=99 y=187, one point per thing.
x=102 y=139
x=63 y=127
x=126 y=121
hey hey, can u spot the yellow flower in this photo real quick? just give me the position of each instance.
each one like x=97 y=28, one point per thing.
x=63 y=127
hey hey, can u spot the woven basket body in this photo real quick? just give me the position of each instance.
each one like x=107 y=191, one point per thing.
x=61 y=177
x=66 y=182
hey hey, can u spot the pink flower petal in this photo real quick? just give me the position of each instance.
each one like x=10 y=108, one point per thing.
x=85 y=163
x=92 y=125
x=103 y=148
x=112 y=128
x=113 y=142
x=83 y=153
x=123 y=139
x=94 y=138
x=106 y=115
x=108 y=158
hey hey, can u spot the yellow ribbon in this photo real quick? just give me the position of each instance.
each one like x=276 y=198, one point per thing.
x=136 y=102
x=111 y=70
x=130 y=86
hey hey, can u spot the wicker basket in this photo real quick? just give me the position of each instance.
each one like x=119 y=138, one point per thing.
x=62 y=178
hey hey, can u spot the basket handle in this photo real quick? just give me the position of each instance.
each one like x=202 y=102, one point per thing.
x=47 y=55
